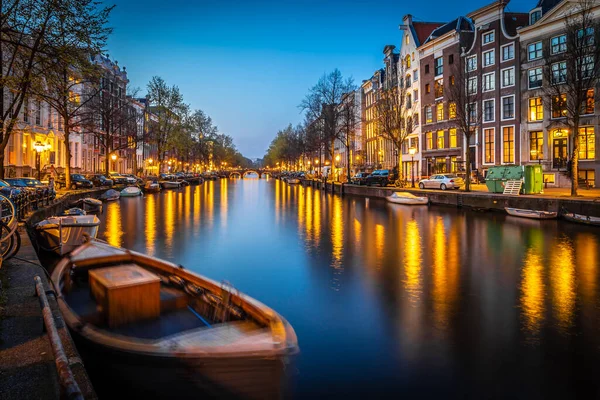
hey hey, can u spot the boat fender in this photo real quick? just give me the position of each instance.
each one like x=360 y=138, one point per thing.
x=237 y=312
x=177 y=281
x=193 y=290
x=164 y=280
x=212 y=298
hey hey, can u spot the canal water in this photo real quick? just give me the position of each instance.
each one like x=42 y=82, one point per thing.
x=391 y=299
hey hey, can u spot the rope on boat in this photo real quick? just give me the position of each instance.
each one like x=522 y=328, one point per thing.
x=65 y=375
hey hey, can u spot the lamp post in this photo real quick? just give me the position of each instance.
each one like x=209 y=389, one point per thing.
x=113 y=156
x=337 y=167
x=39 y=147
x=412 y=152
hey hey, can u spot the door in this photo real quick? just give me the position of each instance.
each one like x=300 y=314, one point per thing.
x=559 y=157
x=472 y=157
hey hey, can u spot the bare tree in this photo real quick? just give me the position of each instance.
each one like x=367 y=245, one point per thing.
x=571 y=78
x=349 y=123
x=464 y=94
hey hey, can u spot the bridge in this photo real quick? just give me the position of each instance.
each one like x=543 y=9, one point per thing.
x=243 y=172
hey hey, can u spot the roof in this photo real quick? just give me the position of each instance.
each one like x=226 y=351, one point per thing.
x=547 y=5
x=459 y=24
x=422 y=30
x=512 y=21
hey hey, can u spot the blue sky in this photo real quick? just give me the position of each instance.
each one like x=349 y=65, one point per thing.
x=248 y=64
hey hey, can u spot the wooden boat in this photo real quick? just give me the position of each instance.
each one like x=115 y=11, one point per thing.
x=110 y=195
x=407 y=199
x=582 y=219
x=131 y=191
x=293 y=181
x=74 y=211
x=533 y=214
x=157 y=322
x=65 y=233
x=151 y=187
x=169 y=184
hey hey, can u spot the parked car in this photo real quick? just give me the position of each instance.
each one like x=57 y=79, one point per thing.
x=32 y=186
x=360 y=178
x=99 y=180
x=118 y=179
x=134 y=179
x=9 y=191
x=78 y=181
x=442 y=181
x=379 y=177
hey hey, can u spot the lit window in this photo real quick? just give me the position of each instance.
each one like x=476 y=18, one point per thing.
x=439 y=88
x=587 y=143
x=536 y=145
x=440 y=139
x=452 y=110
x=588 y=103
x=536 y=109
x=452 y=134
x=508 y=137
x=489 y=148
x=559 y=106
x=440 y=112
x=429 y=138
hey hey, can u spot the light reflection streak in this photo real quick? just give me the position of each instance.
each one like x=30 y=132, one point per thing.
x=412 y=262
x=379 y=244
x=440 y=282
x=169 y=219
x=337 y=233
x=562 y=275
x=223 y=200
x=317 y=218
x=532 y=291
x=150 y=231
x=114 y=230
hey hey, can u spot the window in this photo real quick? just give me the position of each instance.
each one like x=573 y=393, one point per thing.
x=416 y=119
x=439 y=66
x=451 y=59
x=586 y=39
x=429 y=139
x=439 y=88
x=406 y=39
x=415 y=75
x=26 y=110
x=488 y=58
x=471 y=110
x=452 y=80
x=534 y=51
x=488 y=110
x=535 y=16
x=440 y=139
x=408 y=101
x=559 y=106
x=558 y=44
x=489 y=148
x=408 y=81
x=559 y=72
x=508 y=77
x=452 y=134
x=440 y=112
x=536 y=109
x=426 y=68
x=508 y=107
x=427 y=88
x=489 y=82
x=472 y=85
x=416 y=95
x=587 y=143
x=535 y=78
x=508 y=52
x=452 y=110
x=407 y=61
x=588 y=104
x=471 y=63
x=38 y=113
x=586 y=64
x=508 y=137
x=536 y=145
x=428 y=115
x=488 y=37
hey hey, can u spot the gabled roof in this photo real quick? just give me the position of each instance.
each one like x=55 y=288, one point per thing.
x=547 y=5
x=422 y=30
x=512 y=21
x=459 y=24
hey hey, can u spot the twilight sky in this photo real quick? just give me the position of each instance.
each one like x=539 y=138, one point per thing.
x=248 y=63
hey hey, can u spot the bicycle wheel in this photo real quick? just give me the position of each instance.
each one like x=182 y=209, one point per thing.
x=8 y=217
x=7 y=245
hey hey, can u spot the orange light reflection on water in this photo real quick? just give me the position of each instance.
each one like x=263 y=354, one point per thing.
x=150 y=231
x=562 y=276
x=412 y=261
x=114 y=229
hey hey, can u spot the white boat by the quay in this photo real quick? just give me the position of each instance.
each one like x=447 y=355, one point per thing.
x=65 y=233
x=110 y=195
x=533 y=214
x=170 y=184
x=407 y=199
x=151 y=187
x=151 y=322
x=293 y=181
x=131 y=191
x=582 y=219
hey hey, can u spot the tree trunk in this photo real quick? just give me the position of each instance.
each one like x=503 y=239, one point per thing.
x=67 y=156
x=1 y=165
x=575 y=161
x=468 y=166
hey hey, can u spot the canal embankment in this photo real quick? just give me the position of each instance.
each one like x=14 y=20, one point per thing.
x=476 y=200
x=28 y=369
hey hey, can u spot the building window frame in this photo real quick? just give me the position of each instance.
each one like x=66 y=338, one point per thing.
x=489 y=82
x=471 y=64
x=429 y=140
x=428 y=115
x=488 y=58
x=538 y=73
x=535 y=109
x=535 y=51
x=511 y=149
x=489 y=146
x=504 y=117
x=485 y=109
x=587 y=140
x=452 y=110
x=536 y=145
x=559 y=74
x=560 y=46
x=439 y=112
x=511 y=83
x=560 y=112
x=440 y=139
x=438 y=66
x=508 y=46
x=488 y=37
x=472 y=88
x=452 y=138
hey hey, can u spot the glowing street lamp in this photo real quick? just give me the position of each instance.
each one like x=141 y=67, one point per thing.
x=39 y=147
x=412 y=152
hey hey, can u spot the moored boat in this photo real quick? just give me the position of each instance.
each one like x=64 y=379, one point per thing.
x=131 y=191
x=533 y=214
x=157 y=322
x=110 y=195
x=293 y=181
x=169 y=184
x=407 y=199
x=582 y=219
x=151 y=187
x=65 y=233
x=74 y=211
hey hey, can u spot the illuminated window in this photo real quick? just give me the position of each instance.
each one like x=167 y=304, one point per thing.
x=440 y=112
x=427 y=88
x=452 y=110
x=536 y=109
x=536 y=145
x=588 y=104
x=452 y=134
x=440 y=139
x=587 y=143
x=559 y=106
x=489 y=148
x=439 y=88
x=407 y=60
x=508 y=136
x=429 y=139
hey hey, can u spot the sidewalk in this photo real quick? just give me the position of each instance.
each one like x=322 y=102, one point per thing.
x=27 y=368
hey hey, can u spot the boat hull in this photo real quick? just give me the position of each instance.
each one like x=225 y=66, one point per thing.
x=531 y=214
x=63 y=239
x=170 y=185
x=293 y=181
x=582 y=219
x=408 y=201
x=131 y=192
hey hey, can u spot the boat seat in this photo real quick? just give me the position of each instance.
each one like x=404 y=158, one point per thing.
x=172 y=299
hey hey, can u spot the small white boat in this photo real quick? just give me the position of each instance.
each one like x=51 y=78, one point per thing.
x=407 y=199
x=533 y=214
x=66 y=233
x=293 y=181
x=170 y=184
x=582 y=219
x=131 y=191
x=151 y=187
x=110 y=195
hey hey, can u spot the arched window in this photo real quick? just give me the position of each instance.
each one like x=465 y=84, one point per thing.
x=408 y=81
x=407 y=61
x=408 y=101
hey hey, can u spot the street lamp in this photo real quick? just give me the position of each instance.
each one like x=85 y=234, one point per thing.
x=39 y=147
x=412 y=152
x=380 y=158
x=114 y=158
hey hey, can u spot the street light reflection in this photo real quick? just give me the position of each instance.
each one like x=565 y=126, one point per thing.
x=562 y=275
x=412 y=262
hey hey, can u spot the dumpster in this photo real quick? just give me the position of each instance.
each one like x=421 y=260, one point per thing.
x=498 y=175
x=534 y=180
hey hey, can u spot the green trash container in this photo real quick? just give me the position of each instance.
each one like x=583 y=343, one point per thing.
x=494 y=179
x=534 y=179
